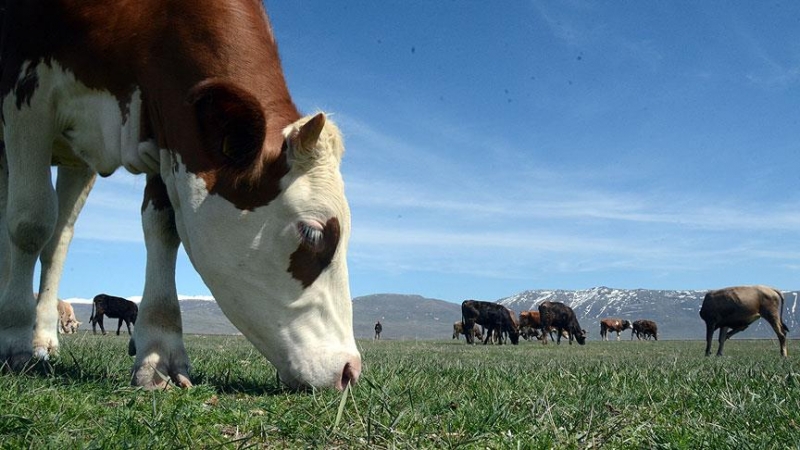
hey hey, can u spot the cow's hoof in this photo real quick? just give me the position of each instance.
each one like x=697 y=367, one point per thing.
x=44 y=353
x=45 y=347
x=151 y=378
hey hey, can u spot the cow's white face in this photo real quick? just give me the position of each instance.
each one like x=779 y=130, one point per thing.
x=279 y=270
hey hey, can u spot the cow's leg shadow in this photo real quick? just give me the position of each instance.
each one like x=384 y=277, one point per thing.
x=158 y=336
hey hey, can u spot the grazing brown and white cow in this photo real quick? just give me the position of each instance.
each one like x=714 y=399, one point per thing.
x=611 y=324
x=492 y=317
x=562 y=318
x=115 y=308
x=192 y=94
x=458 y=330
x=644 y=329
x=733 y=309
x=67 y=322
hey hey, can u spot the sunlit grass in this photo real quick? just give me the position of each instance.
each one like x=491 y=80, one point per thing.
x=430 y=394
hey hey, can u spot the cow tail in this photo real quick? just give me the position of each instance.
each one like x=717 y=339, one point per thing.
x=783 y=325
x=91 y=318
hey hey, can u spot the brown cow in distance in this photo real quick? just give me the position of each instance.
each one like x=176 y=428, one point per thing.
x=458 y=330
x=733 y=309
x=562 y=318
x=611 y=324
x=644 y=329
x=115 y=308
x=492 y=316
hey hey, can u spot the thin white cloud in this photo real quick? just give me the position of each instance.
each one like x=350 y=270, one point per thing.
x=515 y=254
x=570 y=202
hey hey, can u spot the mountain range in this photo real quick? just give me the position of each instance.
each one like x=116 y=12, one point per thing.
x=417 y=317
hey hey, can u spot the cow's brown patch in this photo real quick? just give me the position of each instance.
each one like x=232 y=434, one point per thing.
x=167 y=52
x=155 y=193
x=243 y=157
x=308 y=261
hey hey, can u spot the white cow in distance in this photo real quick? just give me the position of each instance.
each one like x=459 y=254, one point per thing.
x=67 y=323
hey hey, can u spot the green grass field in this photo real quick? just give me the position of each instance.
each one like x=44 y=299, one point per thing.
x=425 y=394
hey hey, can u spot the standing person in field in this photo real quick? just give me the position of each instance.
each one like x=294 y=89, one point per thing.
x=378 y=329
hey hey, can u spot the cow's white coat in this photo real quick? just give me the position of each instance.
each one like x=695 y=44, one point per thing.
x=242 y=256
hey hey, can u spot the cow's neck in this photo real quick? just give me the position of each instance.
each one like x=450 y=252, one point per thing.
x=246 y=56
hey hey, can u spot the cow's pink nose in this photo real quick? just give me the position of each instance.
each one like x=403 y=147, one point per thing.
x=350 y=373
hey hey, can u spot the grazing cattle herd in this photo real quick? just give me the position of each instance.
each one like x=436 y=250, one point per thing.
x=730 y=310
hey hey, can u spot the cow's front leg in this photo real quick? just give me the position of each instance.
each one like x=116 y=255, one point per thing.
x=72 y=188
x=29 y=219
x=158 y=335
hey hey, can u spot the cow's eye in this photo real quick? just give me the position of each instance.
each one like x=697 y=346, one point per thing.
x=311 y=236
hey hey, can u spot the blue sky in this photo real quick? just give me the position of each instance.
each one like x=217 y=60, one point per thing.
x=498 y=146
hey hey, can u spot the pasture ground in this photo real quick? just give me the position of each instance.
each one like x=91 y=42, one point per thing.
x=423 y=394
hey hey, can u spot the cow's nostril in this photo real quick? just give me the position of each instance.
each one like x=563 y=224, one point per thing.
x=350 y=374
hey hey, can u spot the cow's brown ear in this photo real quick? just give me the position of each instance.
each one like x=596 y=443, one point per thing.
x=230 y=120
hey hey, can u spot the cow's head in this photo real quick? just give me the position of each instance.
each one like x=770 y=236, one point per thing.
x=268 y=230
x=581 y=337
x=73 y=325
x=514 y=336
